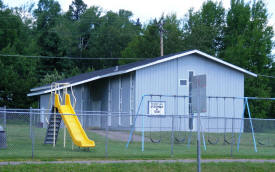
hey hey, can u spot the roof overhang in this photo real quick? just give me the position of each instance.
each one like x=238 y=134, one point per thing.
x=200 y=53
x=47 y=89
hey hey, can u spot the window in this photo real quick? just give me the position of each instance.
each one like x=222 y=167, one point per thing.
x=183 y=82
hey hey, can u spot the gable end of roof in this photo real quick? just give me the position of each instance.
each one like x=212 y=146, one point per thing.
x=88 y=77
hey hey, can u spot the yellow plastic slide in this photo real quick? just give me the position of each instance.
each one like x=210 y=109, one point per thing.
x=72 y=123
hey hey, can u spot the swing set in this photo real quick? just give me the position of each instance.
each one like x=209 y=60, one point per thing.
x=178 y=137
x=182 y=133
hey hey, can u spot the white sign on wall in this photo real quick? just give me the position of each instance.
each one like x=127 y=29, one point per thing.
x=156 y=107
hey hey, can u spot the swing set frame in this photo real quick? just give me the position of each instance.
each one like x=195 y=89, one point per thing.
x=245 y=105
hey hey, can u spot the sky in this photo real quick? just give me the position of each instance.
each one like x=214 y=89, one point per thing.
x=148 y=9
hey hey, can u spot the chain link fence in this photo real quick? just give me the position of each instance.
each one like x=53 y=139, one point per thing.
x=27 y=136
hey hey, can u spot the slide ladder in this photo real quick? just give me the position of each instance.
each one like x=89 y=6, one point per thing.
x=49 y=139
x=72 y=123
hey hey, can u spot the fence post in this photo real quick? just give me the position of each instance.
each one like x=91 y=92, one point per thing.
x=198 y=144
x=64 y=144
x=172 y=137
x=5 y=119
x=232 y=138
x=198 y=131
x=32 y=131
x=225 y=121
x=189 y=139
x=54 y=121
x=242 y=125
x=30 y=114
x=233 y=135
x=106 y=135
x=224 y=134
x=142 y=139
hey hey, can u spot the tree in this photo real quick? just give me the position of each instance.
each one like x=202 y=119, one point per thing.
x=272 y=84
x=237 y=20
x=76 y=9
x=147 y=43
x=77 y=35
x=18 y=75
x=203 y=29
x=52 y=77
x=248 y=44
x=87 y=28
x=49 y=43
x=144 y=45
x=110 y=37
x=1 y=4
x=173 y=34
x=46 y=14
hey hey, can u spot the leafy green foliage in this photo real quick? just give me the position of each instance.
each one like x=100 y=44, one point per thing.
x=17 y=74
x=1 y=4
x=147 y=43
x=248 y=44
x=76 y=9
x=47 y=14
x=53 y=77
x=204 y=30
x=272 y=84
x=113 y=34
x=144 y=45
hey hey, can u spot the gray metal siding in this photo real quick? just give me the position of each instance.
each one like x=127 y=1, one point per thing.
x=115 y=102
x=157 y=79
x=125 y=116
x=164 y=79
x=44 y=101
x=120 y=113
x=94 y=97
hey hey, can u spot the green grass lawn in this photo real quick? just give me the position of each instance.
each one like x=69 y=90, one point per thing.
x=143 y=167
x=20 y=148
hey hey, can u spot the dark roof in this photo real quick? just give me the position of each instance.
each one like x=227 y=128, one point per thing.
x=117 y=70
x=109 y=70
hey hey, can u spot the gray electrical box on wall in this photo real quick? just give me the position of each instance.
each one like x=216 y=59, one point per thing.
x=199 y=93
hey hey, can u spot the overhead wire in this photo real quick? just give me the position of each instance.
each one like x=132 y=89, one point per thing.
x=122 y=32
x=90 y=58
x=266 y=76
x=69 y=58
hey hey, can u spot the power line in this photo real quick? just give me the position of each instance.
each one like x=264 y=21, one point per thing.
x=267 y=76
x=116 y=20
x=57 y=31
x=71 y=58
x=82 y=17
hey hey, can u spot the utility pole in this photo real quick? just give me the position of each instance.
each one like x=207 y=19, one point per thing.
x=161 y=36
